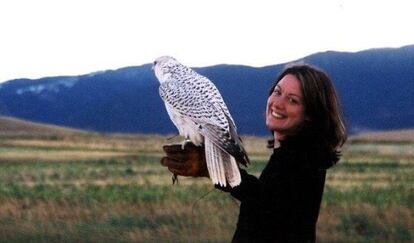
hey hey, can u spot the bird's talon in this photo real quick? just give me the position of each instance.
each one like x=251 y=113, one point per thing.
x=184 y=143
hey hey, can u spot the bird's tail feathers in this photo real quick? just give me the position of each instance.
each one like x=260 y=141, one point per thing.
x=221 y=166
x=214 y=163
x=232 y=171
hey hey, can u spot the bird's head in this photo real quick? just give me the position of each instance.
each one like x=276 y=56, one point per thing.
x=163 y=66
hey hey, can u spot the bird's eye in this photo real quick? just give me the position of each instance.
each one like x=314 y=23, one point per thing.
x=155 y=63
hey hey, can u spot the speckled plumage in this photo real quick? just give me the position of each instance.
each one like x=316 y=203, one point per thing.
x=197 y=109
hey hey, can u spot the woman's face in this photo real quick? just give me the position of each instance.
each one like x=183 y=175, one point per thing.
x=285 y=110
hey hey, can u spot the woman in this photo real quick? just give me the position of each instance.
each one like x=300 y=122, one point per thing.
x=282 y=205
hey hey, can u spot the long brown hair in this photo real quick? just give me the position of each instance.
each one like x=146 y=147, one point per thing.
x=322 y=105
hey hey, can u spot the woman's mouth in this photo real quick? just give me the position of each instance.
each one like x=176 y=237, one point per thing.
x=278 y=115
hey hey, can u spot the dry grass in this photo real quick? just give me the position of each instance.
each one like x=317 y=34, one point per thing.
x=67 y=145
x=74 y=186
x=58 y=156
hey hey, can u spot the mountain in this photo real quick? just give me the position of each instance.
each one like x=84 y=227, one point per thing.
x=375 y=86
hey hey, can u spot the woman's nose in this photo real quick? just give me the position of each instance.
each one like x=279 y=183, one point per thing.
x=278 y=102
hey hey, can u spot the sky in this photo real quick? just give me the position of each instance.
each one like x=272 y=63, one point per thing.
x=72 y=37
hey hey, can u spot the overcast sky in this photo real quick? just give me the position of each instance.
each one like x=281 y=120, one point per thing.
x=68 y=37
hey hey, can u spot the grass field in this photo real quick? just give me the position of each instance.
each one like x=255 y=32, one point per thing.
x=101 y=188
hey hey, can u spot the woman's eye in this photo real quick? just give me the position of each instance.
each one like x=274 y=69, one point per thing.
x=293 y=101
x=276 y=92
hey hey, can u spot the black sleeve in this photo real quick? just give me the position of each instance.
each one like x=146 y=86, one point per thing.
x=248 y=188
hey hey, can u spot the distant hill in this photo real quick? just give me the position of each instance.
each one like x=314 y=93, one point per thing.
x=13 y=126
x=376 y=88
x=406 y=135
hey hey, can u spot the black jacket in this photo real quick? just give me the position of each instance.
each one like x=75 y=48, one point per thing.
x=282 y=205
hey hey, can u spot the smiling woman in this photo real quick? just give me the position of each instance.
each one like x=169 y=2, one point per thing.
x=305 y=96
x=285 y=110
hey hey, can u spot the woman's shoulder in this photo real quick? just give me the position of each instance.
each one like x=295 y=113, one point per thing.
x=309 y=152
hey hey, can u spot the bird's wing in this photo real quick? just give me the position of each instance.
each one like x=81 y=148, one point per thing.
x=226 y=138
x=183 y=99
x=205 y=107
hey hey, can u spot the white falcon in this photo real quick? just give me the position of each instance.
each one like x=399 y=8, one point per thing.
x=197 y=109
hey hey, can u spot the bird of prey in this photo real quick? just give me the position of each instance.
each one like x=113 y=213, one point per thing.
x=197 y=109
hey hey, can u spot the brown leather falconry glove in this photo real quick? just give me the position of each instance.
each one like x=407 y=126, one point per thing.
x=189 y=161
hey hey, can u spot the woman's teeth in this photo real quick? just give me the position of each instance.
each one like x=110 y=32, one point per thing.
x=277 y=115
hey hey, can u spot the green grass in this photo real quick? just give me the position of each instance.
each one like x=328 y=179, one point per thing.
x=379 y=197
x=369 y=197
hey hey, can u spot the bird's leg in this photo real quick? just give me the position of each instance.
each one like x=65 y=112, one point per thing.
x=186 y=140
x=174 y=179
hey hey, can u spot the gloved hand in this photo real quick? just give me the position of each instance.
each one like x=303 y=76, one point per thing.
x=189 y=161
